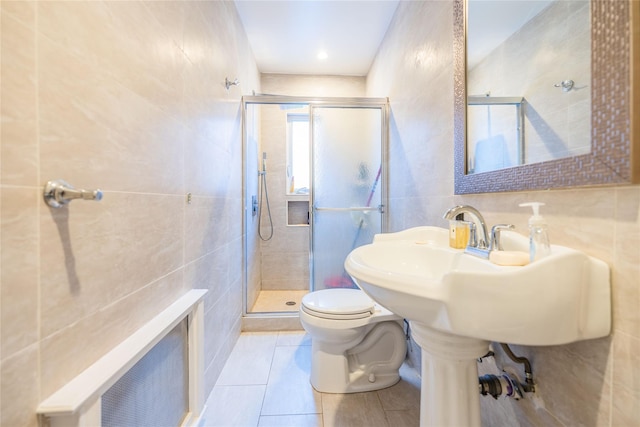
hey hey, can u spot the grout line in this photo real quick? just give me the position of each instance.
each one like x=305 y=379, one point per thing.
x=616 y=204
x=39 y=205
x=321 y=405
x=384 y=411
x=613 y=362
x=273 y=355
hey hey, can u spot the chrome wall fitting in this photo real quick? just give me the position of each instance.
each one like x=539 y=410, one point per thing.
x=566 y=85
x=58 y=193
x=228 y=83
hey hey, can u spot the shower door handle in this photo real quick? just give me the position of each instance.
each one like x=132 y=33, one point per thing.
x=379 y=208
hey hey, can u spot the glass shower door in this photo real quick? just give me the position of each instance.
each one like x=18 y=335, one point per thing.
x=348 y=187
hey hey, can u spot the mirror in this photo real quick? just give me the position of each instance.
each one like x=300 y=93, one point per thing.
x=528 y=82
x=540 y=159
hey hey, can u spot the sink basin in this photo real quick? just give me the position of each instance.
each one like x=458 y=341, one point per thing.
x=559 y=299
x=457 y=303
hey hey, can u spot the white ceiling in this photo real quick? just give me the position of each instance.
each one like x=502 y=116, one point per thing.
x=287 y=35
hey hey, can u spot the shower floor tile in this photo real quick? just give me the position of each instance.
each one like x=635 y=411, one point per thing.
x=276 y=301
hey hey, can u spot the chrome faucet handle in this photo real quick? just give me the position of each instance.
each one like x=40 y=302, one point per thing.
x=495 y=244
x=58 y=193
x=473 y=234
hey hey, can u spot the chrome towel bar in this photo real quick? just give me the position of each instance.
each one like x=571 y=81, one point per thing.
x=58 y=193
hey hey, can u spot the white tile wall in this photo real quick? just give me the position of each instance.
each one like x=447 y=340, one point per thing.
x=589 y=383
x=127 y=97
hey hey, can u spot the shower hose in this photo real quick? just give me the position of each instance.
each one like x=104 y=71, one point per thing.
x=264 y=194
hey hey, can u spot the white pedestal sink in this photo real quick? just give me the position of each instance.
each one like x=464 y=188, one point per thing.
x=457 y=303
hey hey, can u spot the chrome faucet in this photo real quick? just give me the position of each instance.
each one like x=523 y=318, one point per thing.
x=495 y=243
x=475 y=241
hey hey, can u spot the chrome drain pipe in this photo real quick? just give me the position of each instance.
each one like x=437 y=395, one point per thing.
x=506 y=384
x=500 y=385
x=528 y=373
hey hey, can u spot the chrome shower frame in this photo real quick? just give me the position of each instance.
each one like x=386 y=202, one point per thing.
x=337 y=102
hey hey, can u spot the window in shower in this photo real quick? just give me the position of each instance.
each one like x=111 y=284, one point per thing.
x=297 y=154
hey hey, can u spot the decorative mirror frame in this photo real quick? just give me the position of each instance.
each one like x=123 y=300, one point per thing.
x=615 y=139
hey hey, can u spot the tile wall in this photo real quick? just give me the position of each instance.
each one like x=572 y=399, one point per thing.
x=592 y=383
x=284 y=258
x=310 y=85
x=127 y=97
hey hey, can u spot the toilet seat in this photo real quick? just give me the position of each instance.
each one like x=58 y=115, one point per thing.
x=338 y=304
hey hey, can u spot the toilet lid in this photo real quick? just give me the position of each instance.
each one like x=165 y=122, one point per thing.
x=338 y=303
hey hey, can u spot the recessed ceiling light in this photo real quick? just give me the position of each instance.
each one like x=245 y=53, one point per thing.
x=322 y=55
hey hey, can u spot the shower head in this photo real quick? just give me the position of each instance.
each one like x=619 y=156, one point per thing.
x=264 y=161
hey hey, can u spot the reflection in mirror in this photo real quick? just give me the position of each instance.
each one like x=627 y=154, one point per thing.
x=613 y=157
x=525 y=50
x=495 y=133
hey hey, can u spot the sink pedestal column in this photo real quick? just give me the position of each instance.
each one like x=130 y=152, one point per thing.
x=450 y=395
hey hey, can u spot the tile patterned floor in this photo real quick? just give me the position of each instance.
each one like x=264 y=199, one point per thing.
x=265 y=383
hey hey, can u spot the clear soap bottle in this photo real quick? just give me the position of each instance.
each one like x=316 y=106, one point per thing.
x=539 y=246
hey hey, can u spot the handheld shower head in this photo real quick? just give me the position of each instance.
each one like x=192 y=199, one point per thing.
x=264 y=161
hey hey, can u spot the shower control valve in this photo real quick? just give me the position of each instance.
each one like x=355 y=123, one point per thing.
x=254 y=205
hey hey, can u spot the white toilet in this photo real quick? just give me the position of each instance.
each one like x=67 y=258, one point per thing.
x=356 y=344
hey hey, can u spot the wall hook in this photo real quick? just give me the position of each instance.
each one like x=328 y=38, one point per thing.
x=228 y=83
x=566 y=85
x=58 y=193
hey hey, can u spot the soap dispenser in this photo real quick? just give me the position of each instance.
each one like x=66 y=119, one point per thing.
x=538 y=237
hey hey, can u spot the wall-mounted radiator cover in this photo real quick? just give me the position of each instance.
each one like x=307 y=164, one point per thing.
x=154 y=392
x=152 y=378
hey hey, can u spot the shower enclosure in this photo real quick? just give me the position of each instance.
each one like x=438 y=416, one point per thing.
x=322 y=164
